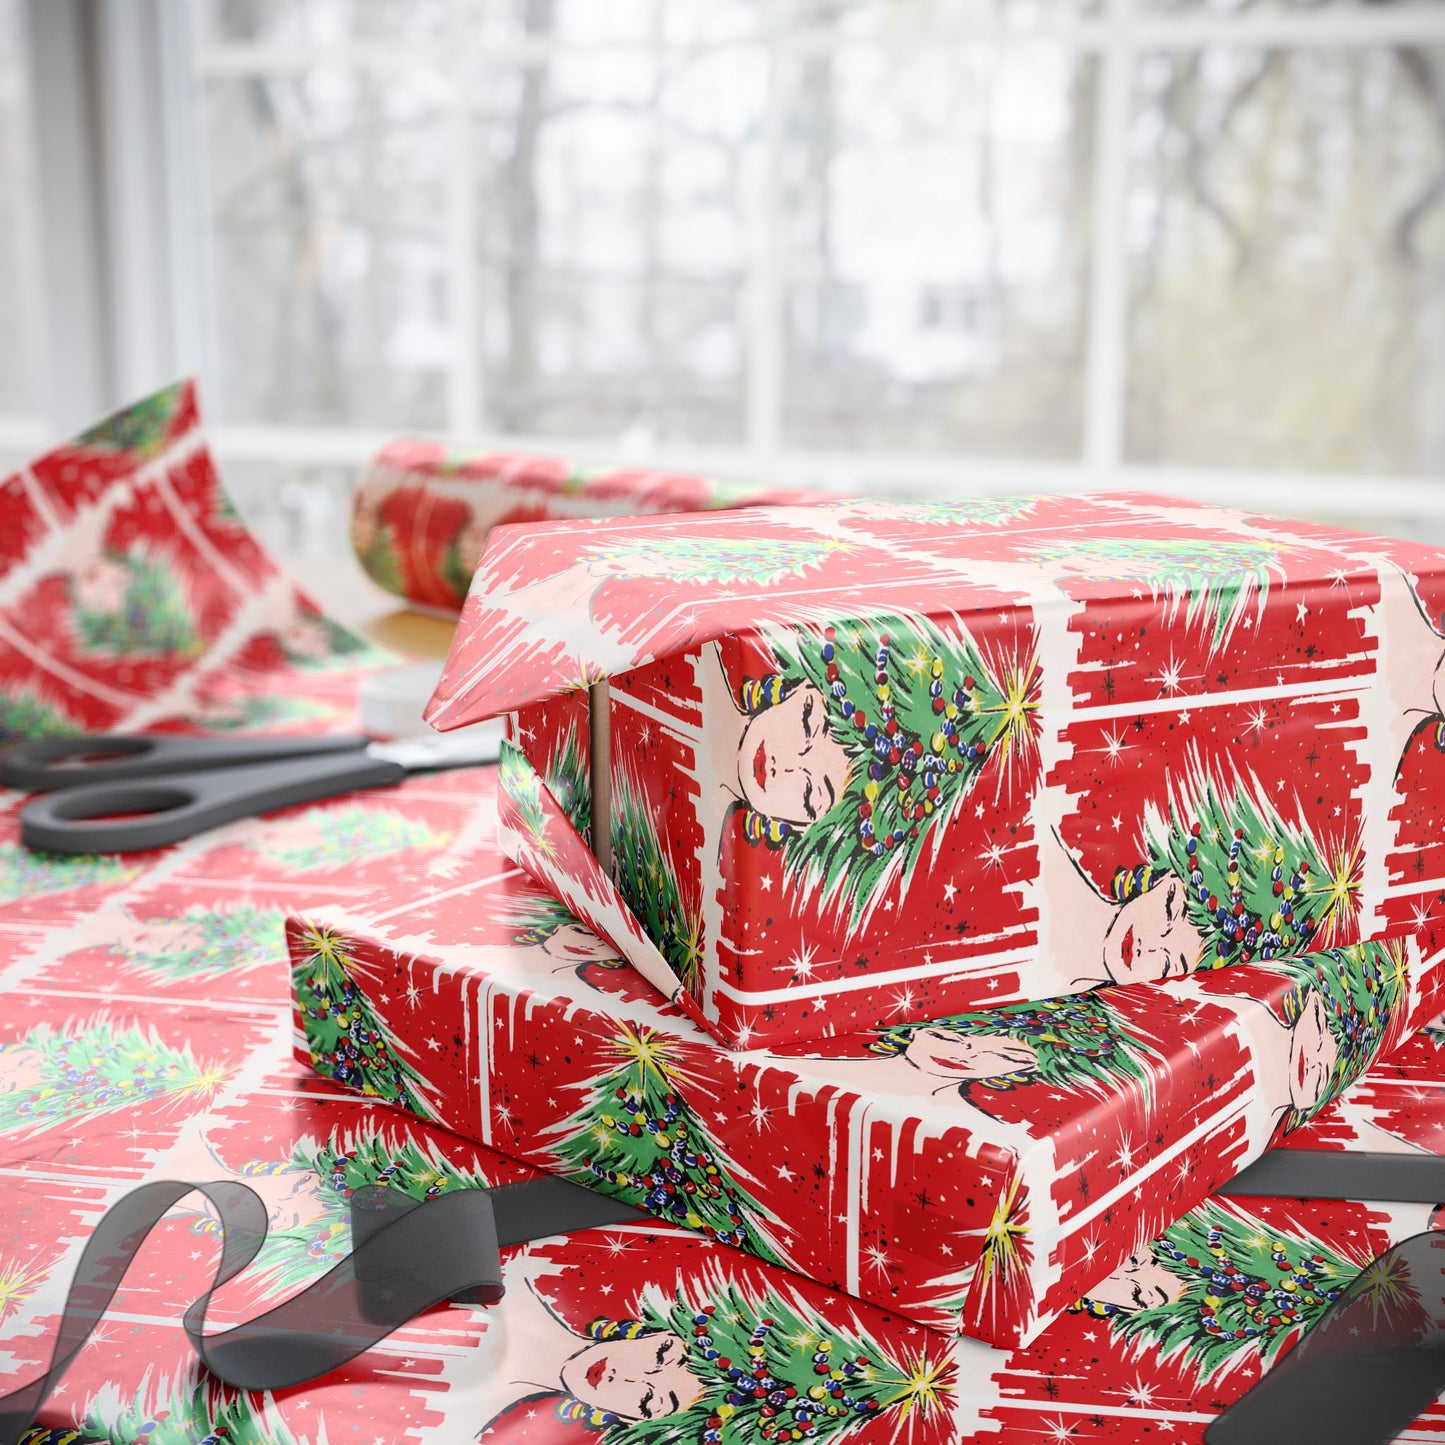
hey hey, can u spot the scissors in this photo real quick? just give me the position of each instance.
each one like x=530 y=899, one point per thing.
x=125 y=792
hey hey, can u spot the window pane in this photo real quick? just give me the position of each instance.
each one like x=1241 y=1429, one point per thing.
x=936 y=213
x=611 y=227
x=1286 y=232
x=312 y=23
x=19 y=281
x=329 y=249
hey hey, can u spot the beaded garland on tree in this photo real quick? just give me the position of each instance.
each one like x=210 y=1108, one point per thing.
x=1079 y=1042
x=1255 y=887
x=919 y=714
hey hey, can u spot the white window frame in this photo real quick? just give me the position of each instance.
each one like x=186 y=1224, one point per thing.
x=128 y=177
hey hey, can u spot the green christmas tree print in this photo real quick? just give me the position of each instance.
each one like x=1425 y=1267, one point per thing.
x=771 y=1368
x=348 y=1038
x=1242 y=1289
x=521 y=784
x=921 y=714
x=381 y=562
x=569 y=779
x=689 y=558
x=1079 y=1043
x=647 y=877
x=346 y=1161
x=26 y=716
x=1216 y=581
x=1256 y=887
x=637 y=1138
x=140 y=429
x=26 y=873
x=207 y=943
x=965 y=512
x=332 y=838
x=129 y=603
x=51 y=1077
x=198 y=1410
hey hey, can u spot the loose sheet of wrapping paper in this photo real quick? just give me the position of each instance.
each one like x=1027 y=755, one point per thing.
x=133 y=596
x=422 y=511
x=198 y=1035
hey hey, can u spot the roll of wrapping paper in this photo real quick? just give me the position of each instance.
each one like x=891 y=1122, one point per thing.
x=422 y=512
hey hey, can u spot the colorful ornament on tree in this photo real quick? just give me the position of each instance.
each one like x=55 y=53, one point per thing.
x=129 y=602
x=27 y=873
x=335 y=837
x=637 y=1138
x=27 y=716
x=1078 y=1043
x=1223 y=1285
x=772 y=1369
x=920 y=714
x=1217 y=581
x=1255 y=887
x=207 y=943
x=51 y=1077
x=348 y=1039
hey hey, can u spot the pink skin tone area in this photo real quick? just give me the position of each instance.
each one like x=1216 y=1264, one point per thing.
x=305 y=637
x=181 y=935
x=943 y=1054
x=1149 y=938
x=20 y=1068
x=1313 y=1054
x=638 y=1379
x=1140 y=1283
x=101 y=587
x=573 y=944
x=790 y=766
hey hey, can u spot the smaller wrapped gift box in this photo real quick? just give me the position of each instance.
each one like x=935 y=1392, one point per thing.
x=977 y=1173
x=422 y=511
x=852 y=763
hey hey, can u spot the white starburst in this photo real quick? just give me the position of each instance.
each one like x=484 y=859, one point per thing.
x=804 y=961
x=1124 y=1155
x=1257 y=720
x=878 y=1258
x=903 y=1001
x=1114 y=746
x=760 y=1116
x=1170 y=674
x=1140 y=1393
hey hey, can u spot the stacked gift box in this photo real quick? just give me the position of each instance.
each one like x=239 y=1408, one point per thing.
x=939 y=901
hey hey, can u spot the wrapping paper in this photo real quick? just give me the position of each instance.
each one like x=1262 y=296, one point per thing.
x=878 y=763
x=979 y=1172
x=422 y=512
x=144 y=1034
x=132 y=595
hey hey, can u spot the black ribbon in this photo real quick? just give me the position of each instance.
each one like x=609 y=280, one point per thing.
x=407 y=1256
x=1372 y=1362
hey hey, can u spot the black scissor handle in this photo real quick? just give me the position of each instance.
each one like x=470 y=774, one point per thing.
x=187 y=803
x=54 y=763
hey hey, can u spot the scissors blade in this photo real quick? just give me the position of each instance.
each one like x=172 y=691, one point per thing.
x=467 y=747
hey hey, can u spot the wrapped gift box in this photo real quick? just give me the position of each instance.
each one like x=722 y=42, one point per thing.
x=871 y=762
x=422 y=511
x=976 y=1173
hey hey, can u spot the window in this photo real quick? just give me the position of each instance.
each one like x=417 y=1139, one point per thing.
x=913 y=246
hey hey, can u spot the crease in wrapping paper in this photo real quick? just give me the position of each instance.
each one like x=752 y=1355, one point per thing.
x=878 y=761
x=979 y=1173
x=422 y=512
x=163 y=972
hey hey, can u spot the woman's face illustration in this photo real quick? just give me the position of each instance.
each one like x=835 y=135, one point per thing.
x=574 y=944
x=639 y=1379
x=790 y=766
x=1140 y=1283
x=1313 y=1054
x=1151 y=938
x=946 y=1054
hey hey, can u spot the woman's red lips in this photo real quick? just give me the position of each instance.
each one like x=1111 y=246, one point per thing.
x=1301 y=1069
x=760 y=765
x=1126 y=948
x=595 y=1371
